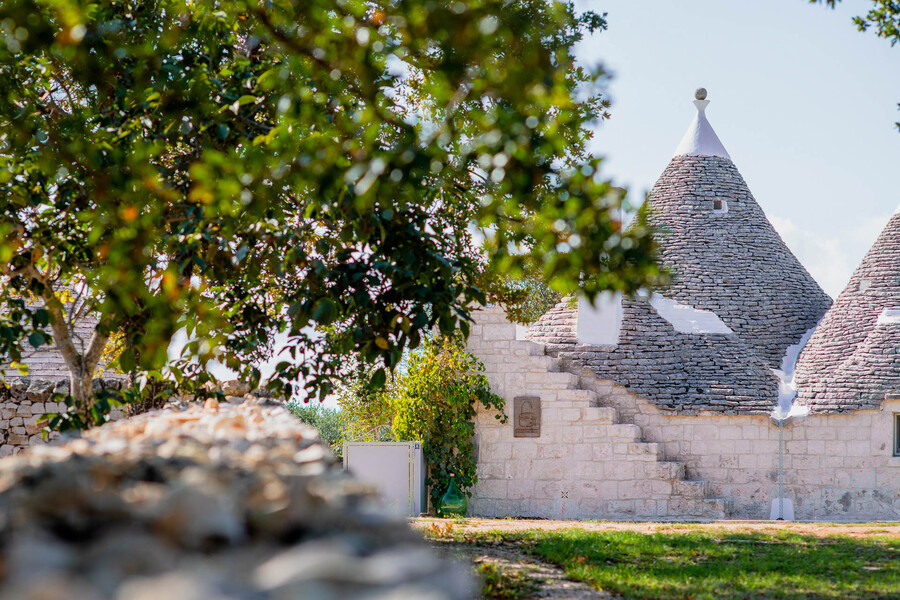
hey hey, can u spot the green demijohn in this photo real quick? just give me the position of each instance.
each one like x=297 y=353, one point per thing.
x=453 y=502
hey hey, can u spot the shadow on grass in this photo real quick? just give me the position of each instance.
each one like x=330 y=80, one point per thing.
x=724 y=566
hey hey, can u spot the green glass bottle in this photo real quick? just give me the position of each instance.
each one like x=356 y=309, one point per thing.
x=453 y=503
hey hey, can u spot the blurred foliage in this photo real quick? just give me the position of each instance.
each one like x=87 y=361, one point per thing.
x=525 y=298
x=328 y=421
x=240 y=169
x=434 y=403
x=366 y=413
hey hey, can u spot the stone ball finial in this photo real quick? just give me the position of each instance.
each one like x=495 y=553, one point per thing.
x=700 y=94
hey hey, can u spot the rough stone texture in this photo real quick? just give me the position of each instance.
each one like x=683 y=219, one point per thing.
x=851 y=362
x=225 y=502
x=619 y=456
x=23 y=403
x=679 y=371
x=734 y=264
x=47 y=362
x=730 y=262
x=558 y=327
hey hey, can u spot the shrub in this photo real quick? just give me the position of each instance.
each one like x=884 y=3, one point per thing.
x=435 y=404
x=326 y=419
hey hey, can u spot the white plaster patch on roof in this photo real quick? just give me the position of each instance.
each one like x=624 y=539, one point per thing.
x=687 y=319
x=786 y=407
x=601 y=322
x=787 y=391
x=789 y=362
x=700 y=139
x=889 y=316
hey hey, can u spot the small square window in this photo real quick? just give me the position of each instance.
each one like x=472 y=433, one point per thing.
x=720 y=207
x=896 y=434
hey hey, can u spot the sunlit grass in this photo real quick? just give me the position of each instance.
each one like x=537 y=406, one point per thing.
x=719 y=564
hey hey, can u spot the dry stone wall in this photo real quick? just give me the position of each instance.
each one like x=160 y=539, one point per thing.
x=584 y=463
x=47 y=362
x=604 y=452
x=232 y=502
x=852 y=361
x=732 y=262
x=679 y=371
x=727 y=260
x=25 y=401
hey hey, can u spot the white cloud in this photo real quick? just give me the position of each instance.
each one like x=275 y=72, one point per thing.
x=830 y=259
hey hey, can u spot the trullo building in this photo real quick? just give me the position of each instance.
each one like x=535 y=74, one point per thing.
x=662 y=407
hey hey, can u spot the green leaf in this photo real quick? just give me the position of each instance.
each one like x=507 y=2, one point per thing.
x=127 y=360
x=37 y=339
x=378 y=379
x=324 y=311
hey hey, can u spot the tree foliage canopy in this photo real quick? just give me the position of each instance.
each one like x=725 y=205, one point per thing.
x=240 y=168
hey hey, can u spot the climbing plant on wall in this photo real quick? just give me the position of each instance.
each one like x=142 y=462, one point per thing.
x=435 y=403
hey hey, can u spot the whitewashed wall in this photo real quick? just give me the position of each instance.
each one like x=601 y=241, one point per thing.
x=603 y=453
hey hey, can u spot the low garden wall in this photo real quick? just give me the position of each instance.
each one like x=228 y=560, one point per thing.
x=234 y=500
x=24 y=401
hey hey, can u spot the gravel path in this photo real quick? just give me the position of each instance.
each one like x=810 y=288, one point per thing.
x=550 y=580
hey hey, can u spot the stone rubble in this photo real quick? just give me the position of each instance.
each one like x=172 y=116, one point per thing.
x=222 y=501
x=23 y=403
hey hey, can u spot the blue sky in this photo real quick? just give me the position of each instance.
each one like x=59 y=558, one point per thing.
x=803 y=102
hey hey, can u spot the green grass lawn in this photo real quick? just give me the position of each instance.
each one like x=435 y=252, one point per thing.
x=718 y=565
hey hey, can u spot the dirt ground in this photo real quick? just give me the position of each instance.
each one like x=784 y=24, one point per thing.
x=472 y=525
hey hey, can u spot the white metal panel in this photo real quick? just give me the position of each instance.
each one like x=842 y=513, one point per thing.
x=395 y=469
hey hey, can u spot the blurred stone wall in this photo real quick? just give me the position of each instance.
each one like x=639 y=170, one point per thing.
x=24 y=401
x=238 y=501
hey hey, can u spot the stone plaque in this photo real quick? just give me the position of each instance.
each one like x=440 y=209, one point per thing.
x=526 y=416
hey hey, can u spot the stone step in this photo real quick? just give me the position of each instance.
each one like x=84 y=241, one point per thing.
x=601 y=414
x=690 y=488
x=670 y=470
x=583 y=397
x=643 y=451
x=552 y=380
x=627 y=432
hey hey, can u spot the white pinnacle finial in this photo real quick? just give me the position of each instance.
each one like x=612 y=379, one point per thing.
x=700 y=139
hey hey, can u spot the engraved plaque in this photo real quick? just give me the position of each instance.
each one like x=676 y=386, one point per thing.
x=526 y=416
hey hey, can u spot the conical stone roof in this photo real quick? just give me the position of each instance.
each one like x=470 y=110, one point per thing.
x=725 y=258
x=853 y=359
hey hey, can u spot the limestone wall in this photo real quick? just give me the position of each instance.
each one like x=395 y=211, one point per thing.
x=585 y=464
x=837 y=466
x=605 y=453
x=23 y=402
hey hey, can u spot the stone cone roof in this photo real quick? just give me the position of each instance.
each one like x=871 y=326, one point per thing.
x=725 y=258
x=853 y=359
x=679 y=371
x=732 y=261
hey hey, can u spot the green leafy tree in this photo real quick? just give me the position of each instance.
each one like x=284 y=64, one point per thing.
x=435 y=404
x=239 y=169
x=328 y=421
x=366 y=413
